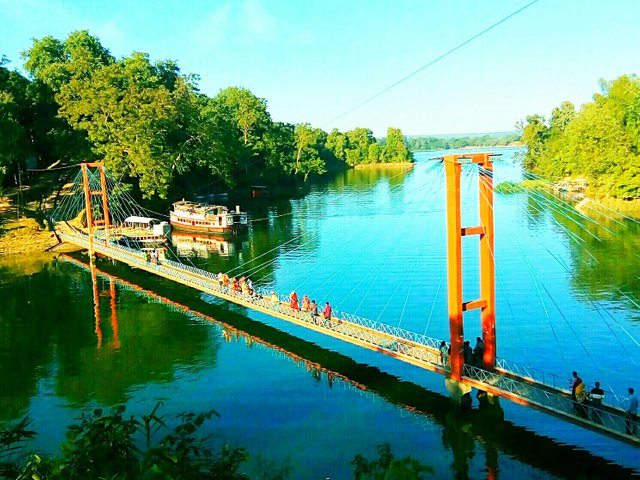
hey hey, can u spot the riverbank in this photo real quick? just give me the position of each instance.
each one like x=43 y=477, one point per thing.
x=610 y=206
x=21 y=234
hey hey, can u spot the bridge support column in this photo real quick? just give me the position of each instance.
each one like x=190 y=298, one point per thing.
x=487 y=263
x=455 y=232
x=88 y=194
x=454 y=267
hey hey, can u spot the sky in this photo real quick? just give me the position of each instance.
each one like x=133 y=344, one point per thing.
x=315 y=60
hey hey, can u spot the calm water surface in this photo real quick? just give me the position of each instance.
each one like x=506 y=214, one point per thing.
x=373 y=243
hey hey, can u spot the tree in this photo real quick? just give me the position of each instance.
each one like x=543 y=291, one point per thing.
x=248 y=110
x=359 y=140
x=308 y=142
x=395 y=149
x=534 y=135
x=599 y=142
x=338 y=143
x=13 y=135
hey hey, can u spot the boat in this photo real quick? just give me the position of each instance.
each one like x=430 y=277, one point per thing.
x=136 y=231
x=204 y=218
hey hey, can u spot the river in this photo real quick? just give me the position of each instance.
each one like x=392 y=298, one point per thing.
x=371 y=242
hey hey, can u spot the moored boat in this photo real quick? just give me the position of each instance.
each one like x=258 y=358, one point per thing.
x=142 y=231
x=204 y=218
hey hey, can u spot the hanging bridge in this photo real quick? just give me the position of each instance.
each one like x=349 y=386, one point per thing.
x=92 y=214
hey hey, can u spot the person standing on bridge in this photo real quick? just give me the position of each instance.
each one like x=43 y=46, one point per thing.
x=596 y=395
x=305 y=303
x=313 y=308
x=478 y=352
x=632 y=413
x=467 y=353
x=444 y=353
x=575 y=382
x=275 y=301
x=293 y=301
x=327 y=312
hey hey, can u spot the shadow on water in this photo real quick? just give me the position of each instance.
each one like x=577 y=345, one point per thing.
x=44 y=334
x=461 y=429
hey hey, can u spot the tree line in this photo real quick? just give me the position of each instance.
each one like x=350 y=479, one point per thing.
x=446 y=143
x=599 y=142
x=151 y=125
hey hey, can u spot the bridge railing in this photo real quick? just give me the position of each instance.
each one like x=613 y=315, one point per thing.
x=602 y=418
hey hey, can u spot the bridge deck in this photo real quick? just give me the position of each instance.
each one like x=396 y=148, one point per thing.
x=509 y=380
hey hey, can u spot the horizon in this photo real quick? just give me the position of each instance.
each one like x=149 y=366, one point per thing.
x=315 y=63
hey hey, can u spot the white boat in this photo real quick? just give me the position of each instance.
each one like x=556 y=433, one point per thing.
x=204 y=218
x=142 y=231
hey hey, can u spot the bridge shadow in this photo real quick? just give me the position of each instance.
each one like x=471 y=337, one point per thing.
x=462 y=428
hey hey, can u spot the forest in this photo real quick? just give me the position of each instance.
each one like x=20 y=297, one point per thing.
x=599 y=142
x=152 y=126
x=418 y=143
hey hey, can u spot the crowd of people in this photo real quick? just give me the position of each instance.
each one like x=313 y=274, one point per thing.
x=587 y=404
x=473 y=357
x=309 y=307
x=245 y=286
x=594 y=398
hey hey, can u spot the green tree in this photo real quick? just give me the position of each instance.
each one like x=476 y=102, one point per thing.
x=308 y=142
x=395 y=149
x=248 y=110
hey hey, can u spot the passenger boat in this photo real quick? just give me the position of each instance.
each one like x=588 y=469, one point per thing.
x=138 y=231
x=204 y=218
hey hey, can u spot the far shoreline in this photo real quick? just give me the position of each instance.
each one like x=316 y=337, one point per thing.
x=364 y=166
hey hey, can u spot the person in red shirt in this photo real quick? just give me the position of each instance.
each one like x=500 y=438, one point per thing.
x=327 y=312
x=293 y=301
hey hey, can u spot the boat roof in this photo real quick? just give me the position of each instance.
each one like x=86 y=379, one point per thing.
x=137 y=219
x=187 y=203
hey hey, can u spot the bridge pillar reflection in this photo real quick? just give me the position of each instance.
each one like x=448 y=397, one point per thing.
x=453 y=169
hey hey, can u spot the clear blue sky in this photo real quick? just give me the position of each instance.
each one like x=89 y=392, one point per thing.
x=314 y=60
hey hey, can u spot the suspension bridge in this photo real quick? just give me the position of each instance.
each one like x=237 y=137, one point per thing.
x=92 y=214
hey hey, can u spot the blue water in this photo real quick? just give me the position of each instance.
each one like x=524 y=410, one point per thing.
x=372 y=243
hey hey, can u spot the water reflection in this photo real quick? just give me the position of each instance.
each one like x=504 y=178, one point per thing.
x=603 y=248
x=80 y=336
x=191 y=245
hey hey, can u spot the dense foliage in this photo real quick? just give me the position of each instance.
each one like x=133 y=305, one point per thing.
x=110 y=445
x=114 y=446
x=449 y=142
x=599 y=142
x=149 y=123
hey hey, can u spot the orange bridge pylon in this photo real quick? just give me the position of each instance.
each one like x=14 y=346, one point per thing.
x=487 y=301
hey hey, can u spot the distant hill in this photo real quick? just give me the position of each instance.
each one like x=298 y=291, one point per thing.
x=460 y=140
x=461 y=135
